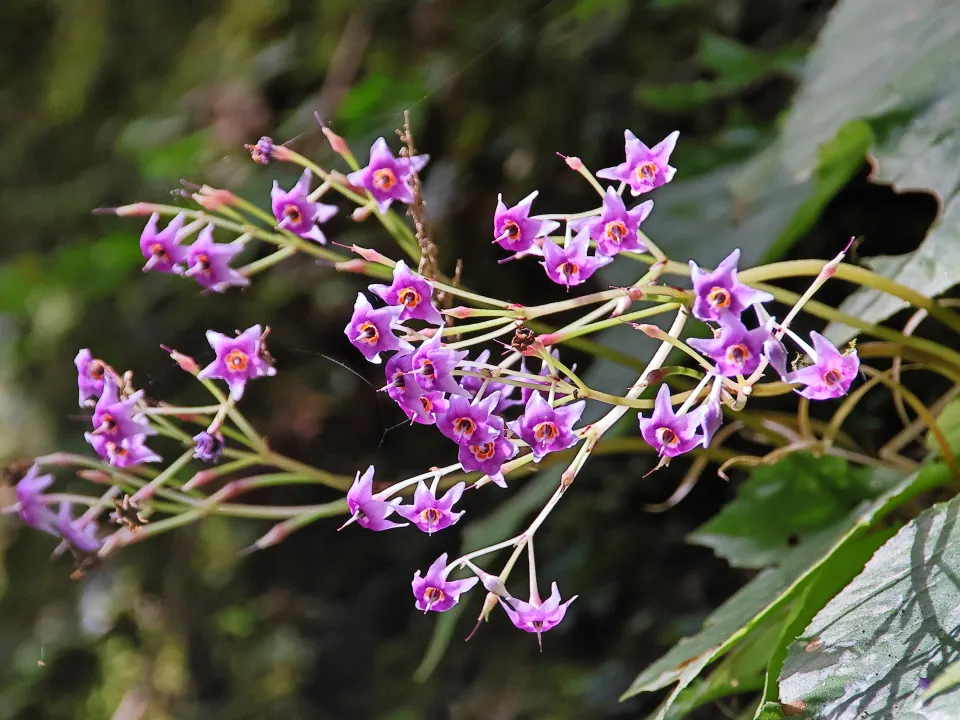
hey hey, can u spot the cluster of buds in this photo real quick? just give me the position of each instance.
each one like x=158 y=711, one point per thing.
x=499 y=415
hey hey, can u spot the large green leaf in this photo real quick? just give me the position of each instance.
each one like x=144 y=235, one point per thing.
x=768 y=592
x=866 y=653
x=873 y=58
x=781 y=505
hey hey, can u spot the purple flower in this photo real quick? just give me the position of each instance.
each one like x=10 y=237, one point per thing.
x=208 y=446
x=488 y=457
x=402 y=385
x=736 y=350
x=32 y=508
x=239 y=359
x=719 y=291
x=434 y=365
x=294 y=212
x=114 y=419
x=570 y=265
x=434 y=592
x=669 y=434
x=711 y=413
x=371 y=514
x=209 y=262
x=469 y=423
x=80 y=534
x=536 y=616
x=371 y=331
x=546 y=429
x=831 y=373
x=90 y=376
x=515 y=230
x=616 y=228
x=122 y=453
x=645 y=168
x=430 y=513
x=162 y=250
x=412 y=293
x=386 y=177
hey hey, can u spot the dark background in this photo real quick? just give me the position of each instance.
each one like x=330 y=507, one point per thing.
x=104 y=102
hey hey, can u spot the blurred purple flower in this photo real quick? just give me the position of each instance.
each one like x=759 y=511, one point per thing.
x=294 y=212
x=162 y=250
x=371 y=330
x=115 y=419
x=31 y=506
x=209 y=262
x=90 y=376
x=208 y=446
x=122 y=453
x=80 y=534
x=371 y=514
x=571 y=265
x=434 y=364
x=386 y=177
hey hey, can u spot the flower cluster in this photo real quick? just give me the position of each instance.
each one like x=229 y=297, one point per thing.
x=33 y=505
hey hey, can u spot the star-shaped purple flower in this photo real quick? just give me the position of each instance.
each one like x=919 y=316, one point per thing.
x=571 y=265
x=616 y=228
x=427 y=408
x=469 y=423
x=434 y=592
x=720 y=291
x=115 y=419
x=430 y=513
x=370 y=513
x=537 y=616
x=514 y=230
x=209 y=262
x=371 y=330
x=546 y=429
x=31 y=505
x=667 y=433
x=239 y=359
x=434 y=364
x=386 y=177
x=736 y=350
x=488 y=457
x=412 y=293
x=830 y=375
x=645 y=168
x=80 y=534
x=162 y=250
x=402 y=385
x=294 y=212
x=90 y=376
x=122 y=453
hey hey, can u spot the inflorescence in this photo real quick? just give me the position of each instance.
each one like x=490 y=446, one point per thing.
x=500 y=414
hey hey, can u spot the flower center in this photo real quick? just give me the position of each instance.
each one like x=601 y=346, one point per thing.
x=204 y=262
x=545 y=431
x=666 y=436
x=409 y=297
x=237 y=361
x=482 y=452
x=431 y=516
x=832 y=377
x=568 y=269
x=96 y=370
x=115 y=450
x=107 y=422
x=719 y=297
x=616 y=231
x=511 y=230
x=464 y=426
x=368 y=334
x=398 y=380
x=158 y=251
x=384 y=179
x=427 y=403
x=647 y=170
x=738 y=354
x=537 y=625
x=433 y=595
x=292 y=213
x=426 y=367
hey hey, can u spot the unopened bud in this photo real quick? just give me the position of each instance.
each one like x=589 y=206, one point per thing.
x=623 y=304
x=370 y=254
x=213 y=199
x=186 y=363
x=355 y=266
x=337 y=143
x=492 y=583
x=574 y=163
x=361 y=213
x=97 y=476
x=635 y=294
x=460 y=312
x=201 y=478
x=262 y=152
x=135 y=209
